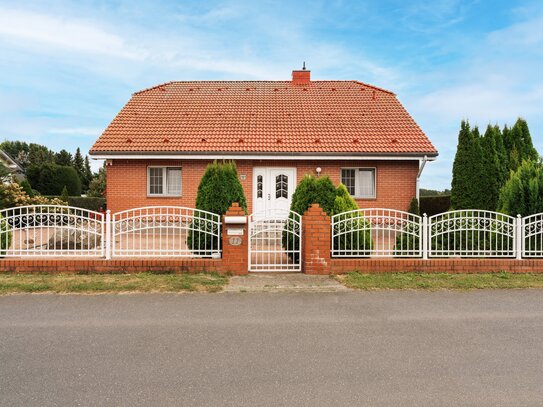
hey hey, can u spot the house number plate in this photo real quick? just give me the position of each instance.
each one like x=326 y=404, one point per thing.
x=234 y=241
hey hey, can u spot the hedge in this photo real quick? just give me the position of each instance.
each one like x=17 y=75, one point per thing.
x=91 y=203
x=432 y=205
x=50 y=179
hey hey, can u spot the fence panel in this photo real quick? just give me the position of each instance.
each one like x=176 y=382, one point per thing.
x=471 y=233
x=166 y=231
x=51 y=231
x=532 y=236
x=376 y=232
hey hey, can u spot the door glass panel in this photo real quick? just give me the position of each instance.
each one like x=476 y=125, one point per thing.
x=259 y=186
x=281 y=186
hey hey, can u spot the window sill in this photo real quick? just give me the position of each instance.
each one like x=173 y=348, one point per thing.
x=367 y=198
x=164 y=196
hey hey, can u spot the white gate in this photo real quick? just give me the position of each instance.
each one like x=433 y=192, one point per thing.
x=275 y=241
x=166 y=231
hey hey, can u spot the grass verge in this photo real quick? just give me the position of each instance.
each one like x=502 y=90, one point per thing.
x=110 y=283
x=440 y=281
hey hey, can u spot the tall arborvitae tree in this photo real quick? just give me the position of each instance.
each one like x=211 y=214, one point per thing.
x=490 y=171
x=467 y=169
x=501 y=153
x=522 y=143
x=79 y=164
x=88 y=175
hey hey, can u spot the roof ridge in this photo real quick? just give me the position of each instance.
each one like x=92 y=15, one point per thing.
x=261 y=81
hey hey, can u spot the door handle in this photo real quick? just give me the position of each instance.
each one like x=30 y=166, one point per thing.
x=269 y=197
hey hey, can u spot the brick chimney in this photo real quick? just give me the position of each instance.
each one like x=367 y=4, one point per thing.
x=301 y=77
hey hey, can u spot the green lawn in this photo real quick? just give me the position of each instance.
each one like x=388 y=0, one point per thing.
x=438 y=281
x=114 y=283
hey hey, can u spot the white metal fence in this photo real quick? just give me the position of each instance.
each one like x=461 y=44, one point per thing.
x=463 y=233
x=376 y=233
x=275 y=238
x=170 y=231
x=472 y=233
x=51 y=231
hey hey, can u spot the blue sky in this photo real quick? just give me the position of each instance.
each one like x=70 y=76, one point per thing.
x=67 y=68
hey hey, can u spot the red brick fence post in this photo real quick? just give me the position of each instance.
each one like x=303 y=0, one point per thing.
x=316 y=237
x=235 y=241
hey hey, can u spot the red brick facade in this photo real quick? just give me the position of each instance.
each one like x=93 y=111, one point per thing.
x=127 y=180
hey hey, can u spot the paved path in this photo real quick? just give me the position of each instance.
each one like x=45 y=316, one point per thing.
x=283 y=282
x=480 y=348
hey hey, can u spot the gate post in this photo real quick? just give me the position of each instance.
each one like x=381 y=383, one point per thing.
x=316 y=235
x=107 y=239
x=518 y=235
x=425 y=236
x=235 y=241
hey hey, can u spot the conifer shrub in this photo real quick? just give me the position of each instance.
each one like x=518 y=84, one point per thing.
x=332 y=200
x=522 y=194
x=219 y=188
x=354 y=232
x=5 y=236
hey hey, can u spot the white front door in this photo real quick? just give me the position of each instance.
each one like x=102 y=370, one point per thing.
x=273 y=189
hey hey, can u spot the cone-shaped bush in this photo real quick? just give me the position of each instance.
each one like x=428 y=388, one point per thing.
x=219 y=188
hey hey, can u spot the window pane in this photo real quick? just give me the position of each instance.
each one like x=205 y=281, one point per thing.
x=348 y=179
x=366 y=183
x=259 y=186
x=174 y=181
x=281 y=186
x=156 y=182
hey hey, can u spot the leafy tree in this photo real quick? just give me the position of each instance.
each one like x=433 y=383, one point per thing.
x=25 y=185
x=522 y=194
x=50 y=179
x=5 y=173
x=28 y=154
x=97 y=187
x=63 y=157
x=467 y=168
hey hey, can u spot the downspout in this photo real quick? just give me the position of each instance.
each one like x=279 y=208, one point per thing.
x=422 y=163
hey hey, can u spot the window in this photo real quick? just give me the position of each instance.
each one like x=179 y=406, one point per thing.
x=360 y=182
x=281 y=186
x=165 y=181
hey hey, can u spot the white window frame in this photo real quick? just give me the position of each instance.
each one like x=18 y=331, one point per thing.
x=356 y=180
x=165 y=169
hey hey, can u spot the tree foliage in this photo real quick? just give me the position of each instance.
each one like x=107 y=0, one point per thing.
x=522 y=194
x=63 y=157
x=467 y=167
x=51 y=178
x=219 y=188
x=97 y=186
x=482 y=165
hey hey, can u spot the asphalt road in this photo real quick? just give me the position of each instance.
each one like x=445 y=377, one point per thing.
x=480 y=348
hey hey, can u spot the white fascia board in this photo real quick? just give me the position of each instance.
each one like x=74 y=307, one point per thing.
x=255 y=157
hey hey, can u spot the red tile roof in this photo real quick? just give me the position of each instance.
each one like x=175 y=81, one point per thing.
x=322 y=117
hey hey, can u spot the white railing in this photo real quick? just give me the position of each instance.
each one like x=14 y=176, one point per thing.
x=376 y=232
x=532 y=231
x=472 y=233
x=51 y=230
x=165 y=231
x=275 y=239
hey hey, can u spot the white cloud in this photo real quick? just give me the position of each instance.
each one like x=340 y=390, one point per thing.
x=76 y=131
x=72 y=34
